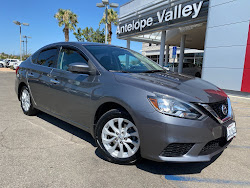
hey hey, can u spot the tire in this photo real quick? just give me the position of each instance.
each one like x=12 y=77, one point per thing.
x=26 y=102
x=198 y=75
x=1 y=65
x=111 y=140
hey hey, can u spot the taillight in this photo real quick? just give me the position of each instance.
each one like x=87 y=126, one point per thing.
x=17 y=70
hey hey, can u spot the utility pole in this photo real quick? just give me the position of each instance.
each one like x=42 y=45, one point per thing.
x=23 y=48
x=20 y=25
x=26 y=37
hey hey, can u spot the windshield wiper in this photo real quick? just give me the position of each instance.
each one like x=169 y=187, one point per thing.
x=153 y=71
x=119 y=71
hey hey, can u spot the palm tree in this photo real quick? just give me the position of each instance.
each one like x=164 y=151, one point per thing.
x=112 y=19
x=68 y=19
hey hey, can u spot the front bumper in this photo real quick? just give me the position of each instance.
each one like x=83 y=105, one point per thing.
x=200 y=139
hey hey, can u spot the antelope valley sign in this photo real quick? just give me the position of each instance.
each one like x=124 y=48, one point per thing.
x=168 y=16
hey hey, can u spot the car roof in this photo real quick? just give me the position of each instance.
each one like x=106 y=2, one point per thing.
x=79 y=43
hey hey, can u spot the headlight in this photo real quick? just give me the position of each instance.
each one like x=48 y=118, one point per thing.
x=174 y=107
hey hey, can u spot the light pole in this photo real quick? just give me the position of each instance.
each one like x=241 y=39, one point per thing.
x=26 y=37
x=105 y=3
x=23 y=47
x=20 y=24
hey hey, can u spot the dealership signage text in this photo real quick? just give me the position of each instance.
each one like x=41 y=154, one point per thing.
x=165 y=15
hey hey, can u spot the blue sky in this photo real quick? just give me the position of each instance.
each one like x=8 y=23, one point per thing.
x=43 y=27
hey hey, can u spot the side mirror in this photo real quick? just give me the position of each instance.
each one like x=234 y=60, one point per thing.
x=79 y=67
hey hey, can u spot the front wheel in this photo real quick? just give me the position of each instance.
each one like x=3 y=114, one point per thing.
x=26 y=102
x=118 y=138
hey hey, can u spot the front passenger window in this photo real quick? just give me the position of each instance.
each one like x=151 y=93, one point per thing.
x=68 y=56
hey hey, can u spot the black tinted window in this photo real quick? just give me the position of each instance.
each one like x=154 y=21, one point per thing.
x=68 y=56
x=47 y=58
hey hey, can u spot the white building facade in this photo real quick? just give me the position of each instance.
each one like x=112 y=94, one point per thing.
x=227 y=50
x=220 y=28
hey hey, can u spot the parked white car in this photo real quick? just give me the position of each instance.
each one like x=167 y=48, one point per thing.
x=188 y=68
x=11 y=62
x=3 y=62
x=15 y=65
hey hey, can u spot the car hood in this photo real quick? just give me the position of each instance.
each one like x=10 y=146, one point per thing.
x=181 y=86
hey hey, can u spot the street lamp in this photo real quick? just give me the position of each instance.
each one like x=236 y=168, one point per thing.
x=26 y=37
x=20 y=24
x=23 y=47
x=105 y=3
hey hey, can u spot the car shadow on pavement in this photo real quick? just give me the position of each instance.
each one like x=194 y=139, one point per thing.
x=67 y=127
x=159 y=168
x=167 y=168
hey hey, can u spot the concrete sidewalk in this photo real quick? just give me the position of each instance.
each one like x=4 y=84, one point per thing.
x=6 y=70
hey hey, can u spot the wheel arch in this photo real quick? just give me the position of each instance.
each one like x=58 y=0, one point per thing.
x=19 y=89
x=105 y=107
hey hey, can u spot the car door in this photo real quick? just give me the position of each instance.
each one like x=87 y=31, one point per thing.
x=38 y=76
x=72 y=91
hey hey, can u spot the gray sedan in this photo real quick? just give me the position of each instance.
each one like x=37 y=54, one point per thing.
x=132 y=107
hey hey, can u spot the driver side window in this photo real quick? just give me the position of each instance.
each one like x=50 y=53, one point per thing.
x=68 y=56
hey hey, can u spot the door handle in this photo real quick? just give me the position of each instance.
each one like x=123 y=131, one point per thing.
x=30 y=75
x=54 y=81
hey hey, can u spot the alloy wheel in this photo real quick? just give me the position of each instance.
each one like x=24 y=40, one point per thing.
x=120 y=138
x=25 y=99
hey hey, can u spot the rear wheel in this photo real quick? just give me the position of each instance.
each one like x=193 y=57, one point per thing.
x=1 y=65
x=118 y=137
x=26 y=102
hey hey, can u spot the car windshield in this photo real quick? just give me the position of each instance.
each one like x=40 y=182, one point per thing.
x=115 y=59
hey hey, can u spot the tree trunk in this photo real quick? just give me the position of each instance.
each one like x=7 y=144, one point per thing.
x=109 y=33
x=66 y=33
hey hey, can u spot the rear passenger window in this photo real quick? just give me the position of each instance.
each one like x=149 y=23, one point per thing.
x=48 y=58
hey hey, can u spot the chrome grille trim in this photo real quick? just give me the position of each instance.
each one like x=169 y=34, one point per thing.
x=215 y=115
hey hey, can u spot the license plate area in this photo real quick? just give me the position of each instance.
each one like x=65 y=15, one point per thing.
x=231 y=131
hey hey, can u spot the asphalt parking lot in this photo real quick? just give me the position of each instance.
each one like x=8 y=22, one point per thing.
x=42 y=151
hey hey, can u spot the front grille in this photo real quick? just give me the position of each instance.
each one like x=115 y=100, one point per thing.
x=176 y=150
x=217 y=107
x=214 y=145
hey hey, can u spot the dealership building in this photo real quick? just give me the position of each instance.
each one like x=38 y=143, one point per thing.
x=214 y=32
